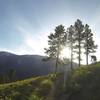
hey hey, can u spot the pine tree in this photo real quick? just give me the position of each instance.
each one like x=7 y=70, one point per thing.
x=56 y=42
x=89 y=45
x=78 y=38
x=70 y=42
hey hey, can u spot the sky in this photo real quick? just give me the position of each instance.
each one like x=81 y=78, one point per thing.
x=25 y=24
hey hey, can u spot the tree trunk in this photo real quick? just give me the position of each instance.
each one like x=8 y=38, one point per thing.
x=87 y=58
x=71 y=54
x=87 y=50
x=79 y=55
x=56 y=64
x=71 y=60
x=79 y=50
x=57 y=59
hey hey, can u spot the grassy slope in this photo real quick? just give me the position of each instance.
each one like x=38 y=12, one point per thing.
x=39 y=88
x=84 y=83
x=30 y=89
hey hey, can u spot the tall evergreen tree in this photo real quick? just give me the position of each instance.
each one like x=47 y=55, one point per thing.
x=56 y=42
x=70 y=42
x=78 y=38
x=89 y=45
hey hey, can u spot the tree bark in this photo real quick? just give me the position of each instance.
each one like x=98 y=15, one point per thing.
x=79 y=50
x=57 y=59
x=71 y=54
x=87 y=58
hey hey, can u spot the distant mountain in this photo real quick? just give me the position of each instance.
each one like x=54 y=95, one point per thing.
x=27 y=65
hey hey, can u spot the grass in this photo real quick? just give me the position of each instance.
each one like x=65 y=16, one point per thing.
x=84 y=83
x=31 y=89
x=39 y=88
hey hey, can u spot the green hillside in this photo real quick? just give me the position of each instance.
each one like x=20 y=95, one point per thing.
x=82 y=84
x=39 y=88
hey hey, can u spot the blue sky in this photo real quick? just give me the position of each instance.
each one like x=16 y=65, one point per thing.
x=25 y=24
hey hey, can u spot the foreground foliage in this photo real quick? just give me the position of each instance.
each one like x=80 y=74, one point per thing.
x=31 y=89
x=39 y=88
x=84 y=83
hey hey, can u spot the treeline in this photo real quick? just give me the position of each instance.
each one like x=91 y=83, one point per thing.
x=78 y=37
x=8 y=76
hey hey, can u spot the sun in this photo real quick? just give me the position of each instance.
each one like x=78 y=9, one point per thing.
x=65 y=53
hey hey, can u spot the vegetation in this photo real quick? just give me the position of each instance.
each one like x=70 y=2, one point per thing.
x=30 y=89
x=89 y=45
x=70 y=42
x=8 y=76
x=77 y=37
x=39 y=88
x=56 y=42
x=84 y=83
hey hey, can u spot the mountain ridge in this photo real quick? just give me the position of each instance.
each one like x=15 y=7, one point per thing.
x=27 y=65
